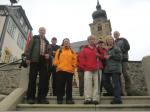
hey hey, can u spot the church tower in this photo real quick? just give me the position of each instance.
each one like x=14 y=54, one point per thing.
x=101 y=26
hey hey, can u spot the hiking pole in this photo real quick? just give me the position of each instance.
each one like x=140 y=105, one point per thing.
x=99 y=80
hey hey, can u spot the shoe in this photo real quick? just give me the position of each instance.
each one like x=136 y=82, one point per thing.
x=31 y=101
x=43 y=101
x=81 y=94
x=54 y=94
x=95 y=102
x=122 y=94
x=87 y=102
x=116 y=102
x=107 y=94
x=69 y=102
x=59 y=102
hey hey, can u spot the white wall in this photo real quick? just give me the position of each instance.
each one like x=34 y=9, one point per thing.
x=11 y=44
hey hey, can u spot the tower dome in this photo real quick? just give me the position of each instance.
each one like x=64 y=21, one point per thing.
x=99 y=13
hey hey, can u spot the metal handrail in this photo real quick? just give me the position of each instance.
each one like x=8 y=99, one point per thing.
x=10 y=63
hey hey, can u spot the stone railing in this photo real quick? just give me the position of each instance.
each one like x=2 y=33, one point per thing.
x=13 y=87
x=9 y=78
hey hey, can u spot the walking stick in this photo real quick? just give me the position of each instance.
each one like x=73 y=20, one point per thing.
x=99 y=80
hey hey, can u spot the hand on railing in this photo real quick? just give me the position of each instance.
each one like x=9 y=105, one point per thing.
x=23 y=61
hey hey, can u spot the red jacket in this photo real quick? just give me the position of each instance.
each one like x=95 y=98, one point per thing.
x=89 y=61
x=102 y=52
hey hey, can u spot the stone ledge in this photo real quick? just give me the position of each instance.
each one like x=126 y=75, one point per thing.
x=10 y=102
x=81 y=107
x=2 y=97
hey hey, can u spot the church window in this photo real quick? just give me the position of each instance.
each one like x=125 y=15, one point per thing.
x=99 y=28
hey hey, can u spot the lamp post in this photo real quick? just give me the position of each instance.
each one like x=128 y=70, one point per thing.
x=13 y=2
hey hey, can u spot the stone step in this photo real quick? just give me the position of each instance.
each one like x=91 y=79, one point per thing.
x=82 y=107
x=105 y=99
x=75 y=91
x=2 y=97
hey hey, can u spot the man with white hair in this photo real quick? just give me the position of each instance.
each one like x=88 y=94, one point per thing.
x=37 y=56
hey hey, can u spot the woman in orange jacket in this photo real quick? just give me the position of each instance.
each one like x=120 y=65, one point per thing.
x=65 y=62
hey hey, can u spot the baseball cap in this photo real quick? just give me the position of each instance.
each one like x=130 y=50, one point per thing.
x=54 y=38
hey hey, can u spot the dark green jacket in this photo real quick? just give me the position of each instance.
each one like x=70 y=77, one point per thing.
x=113 y=64
x=33 y=51
x=124 y=46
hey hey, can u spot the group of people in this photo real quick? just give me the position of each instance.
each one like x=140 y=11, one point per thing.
x=102 y=65
x=95 y=63
x=50 y=59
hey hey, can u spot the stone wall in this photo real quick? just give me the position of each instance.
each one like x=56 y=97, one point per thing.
x=9 y=78
x=135 y=71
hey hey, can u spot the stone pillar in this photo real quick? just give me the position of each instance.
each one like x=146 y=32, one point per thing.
x=24 y=78
x=146 y=68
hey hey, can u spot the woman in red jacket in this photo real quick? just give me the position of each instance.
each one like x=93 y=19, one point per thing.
x=91 y=64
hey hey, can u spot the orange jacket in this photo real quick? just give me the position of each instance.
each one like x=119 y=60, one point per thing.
x=66 y=61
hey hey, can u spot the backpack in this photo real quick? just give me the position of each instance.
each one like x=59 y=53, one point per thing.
x=60 y=51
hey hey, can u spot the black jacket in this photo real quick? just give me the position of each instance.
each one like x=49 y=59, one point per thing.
x=33 y=51
x=124 y=46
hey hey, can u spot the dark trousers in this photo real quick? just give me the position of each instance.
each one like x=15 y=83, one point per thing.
x=54 y=75
x=81 y=82
x=35 y=68
x=64 y=85
x=115 y=89
x=101 y=85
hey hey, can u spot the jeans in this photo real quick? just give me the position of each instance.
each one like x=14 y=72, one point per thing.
x=114 y=87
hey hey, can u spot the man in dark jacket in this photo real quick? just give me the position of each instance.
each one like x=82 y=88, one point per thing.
x=37 y=56
x=53 y=49
x=123 y=44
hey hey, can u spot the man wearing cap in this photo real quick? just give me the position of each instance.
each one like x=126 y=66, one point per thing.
x=53 y=48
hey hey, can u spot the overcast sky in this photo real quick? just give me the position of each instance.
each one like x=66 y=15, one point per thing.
x=71 y=19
